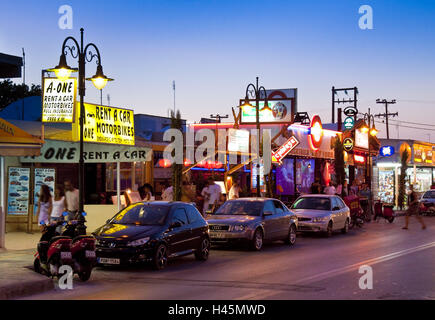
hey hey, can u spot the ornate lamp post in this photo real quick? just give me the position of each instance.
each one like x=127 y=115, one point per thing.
x=257 y=92
x=63 y=71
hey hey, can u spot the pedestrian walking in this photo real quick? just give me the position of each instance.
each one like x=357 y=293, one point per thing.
x=45 y=206
x=234 y=192
x=59 y=204
x=72 y=199
x=413 y=209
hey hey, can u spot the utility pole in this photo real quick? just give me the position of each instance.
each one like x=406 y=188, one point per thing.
x=24 y=83
x=350 y=100
x=386 y=115
x=173 y=88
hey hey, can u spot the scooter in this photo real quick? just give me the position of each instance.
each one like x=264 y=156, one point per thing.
x=53 y=251
x=356 y=213
x=384 y=211
x=82 y=247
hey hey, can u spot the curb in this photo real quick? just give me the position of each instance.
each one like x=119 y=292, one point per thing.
x=25 y=288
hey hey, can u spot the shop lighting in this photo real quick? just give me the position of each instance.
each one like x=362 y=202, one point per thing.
x=388 y=165
x=62 y=70
x=99 y=79
x=373 y=131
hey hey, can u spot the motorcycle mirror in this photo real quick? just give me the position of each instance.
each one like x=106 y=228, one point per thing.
x=84 y=214
x=65 y=213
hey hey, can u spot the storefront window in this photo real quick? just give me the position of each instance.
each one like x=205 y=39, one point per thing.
x=386 y=185
x=305 y=169
x=423 y=178
x=125 y=171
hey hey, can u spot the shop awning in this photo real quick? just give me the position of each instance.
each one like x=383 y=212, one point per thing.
x=17 y=142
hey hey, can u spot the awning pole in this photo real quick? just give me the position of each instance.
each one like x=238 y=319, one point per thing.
x=118 y=184
x=2 y=202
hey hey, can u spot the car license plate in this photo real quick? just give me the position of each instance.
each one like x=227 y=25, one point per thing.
x=109 y=261
x=65 y=255
x=217 y=235
x=90 y=254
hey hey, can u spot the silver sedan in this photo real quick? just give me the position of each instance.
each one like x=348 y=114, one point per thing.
x=252 y=220
x=321 y=213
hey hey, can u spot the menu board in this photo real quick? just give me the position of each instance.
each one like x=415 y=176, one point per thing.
x=43 y=176
x=18 y=191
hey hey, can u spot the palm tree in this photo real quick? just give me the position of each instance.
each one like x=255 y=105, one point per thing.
x=177 y=168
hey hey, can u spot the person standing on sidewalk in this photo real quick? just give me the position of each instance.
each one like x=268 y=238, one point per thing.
x=413 y=209
x=45 y=206
x=72 y=199
x=234 y=191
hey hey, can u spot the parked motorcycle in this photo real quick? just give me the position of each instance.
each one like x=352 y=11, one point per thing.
x=384 y=211
x=72 y=247
x=357 y=215
x=53 y=251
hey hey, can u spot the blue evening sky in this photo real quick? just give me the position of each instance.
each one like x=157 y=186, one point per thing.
x=213 y=49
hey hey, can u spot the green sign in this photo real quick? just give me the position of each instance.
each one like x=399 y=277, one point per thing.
x=349 y=122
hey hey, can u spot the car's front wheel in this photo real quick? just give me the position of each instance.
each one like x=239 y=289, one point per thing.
x=257 y=240
x=160 y=257
x=203 y=251
x=291 y=238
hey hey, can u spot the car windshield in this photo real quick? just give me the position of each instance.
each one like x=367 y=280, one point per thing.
x=241 y=208
x=429 y=195
x=142 y=214
x=312 y=203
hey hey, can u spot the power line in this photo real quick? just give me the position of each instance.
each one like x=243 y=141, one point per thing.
x=402 y=126
x=417 y=123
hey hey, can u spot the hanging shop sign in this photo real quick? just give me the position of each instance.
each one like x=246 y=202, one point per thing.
x=42 y=176
x=108 y=125
x=350 y=111
x=238 y=140
x=361 y=139
x=348 y=144
x=422 y=153
x=54 y=151
x=386 y=151
x=349 y=122
x=316 y=133
x=359 y=158
x=279 y=111
x=18 y=191
x=284 y=150
x=58 y=100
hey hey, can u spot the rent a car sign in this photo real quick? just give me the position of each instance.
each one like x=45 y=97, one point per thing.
x=58 y=100
x=108 y=125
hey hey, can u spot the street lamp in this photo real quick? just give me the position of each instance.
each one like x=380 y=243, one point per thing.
x=63 y=71
x=257 y=90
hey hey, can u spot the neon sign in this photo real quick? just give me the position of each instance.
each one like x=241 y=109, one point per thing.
x=316 y=133
x=386 y=151
x=284 y=150
x=359 y=159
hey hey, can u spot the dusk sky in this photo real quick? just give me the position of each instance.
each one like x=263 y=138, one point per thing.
x=213 y=49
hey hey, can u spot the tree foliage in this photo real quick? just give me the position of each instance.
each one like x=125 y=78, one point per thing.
x=11 y=92
x=177 y=169
x=402 y=179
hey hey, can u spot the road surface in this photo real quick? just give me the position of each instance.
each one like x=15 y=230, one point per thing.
x=402 y=261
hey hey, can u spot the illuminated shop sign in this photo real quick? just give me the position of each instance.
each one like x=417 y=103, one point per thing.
x=359 y=158
x=284 y=150
x=58 y=100
x=350 y=111
x=238 y=140
x=279 y=111
x=316 y=133
x=108 y=125
x=348 y=144
x=349 y=122
x=386 y=151
x=422 y=154
x=361 y=139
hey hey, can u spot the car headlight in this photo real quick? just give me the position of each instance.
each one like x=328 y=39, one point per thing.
x=320 y=219
x=138 y=242
x=238 y=228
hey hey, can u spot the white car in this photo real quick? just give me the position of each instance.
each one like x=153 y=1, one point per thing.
x=321 y=213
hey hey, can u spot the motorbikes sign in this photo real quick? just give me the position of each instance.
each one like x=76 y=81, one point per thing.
x=58 y=100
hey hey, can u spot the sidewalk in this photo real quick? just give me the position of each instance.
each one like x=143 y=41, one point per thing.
x=17 y=278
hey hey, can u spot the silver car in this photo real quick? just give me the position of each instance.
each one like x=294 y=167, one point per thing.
x=321 y=213
x=428 y=202
x=252 y=220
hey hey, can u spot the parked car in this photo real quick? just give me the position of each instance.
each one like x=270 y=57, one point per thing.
x=152 y=232
x=252 y=220
x=427 y=203
x=321 y=213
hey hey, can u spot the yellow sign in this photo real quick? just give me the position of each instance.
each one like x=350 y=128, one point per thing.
x=108 y=125
x=58 y=100
x=422 y=153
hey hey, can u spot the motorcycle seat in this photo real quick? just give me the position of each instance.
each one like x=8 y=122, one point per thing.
x=82 y=237
x=59 y=238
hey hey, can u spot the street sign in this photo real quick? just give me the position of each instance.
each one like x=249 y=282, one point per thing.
x=284 y=150
x=349 y=122
x=58 y=100
x=348 y=144
x=350 y=111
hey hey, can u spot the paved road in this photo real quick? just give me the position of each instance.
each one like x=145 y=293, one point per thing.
x=403 y=264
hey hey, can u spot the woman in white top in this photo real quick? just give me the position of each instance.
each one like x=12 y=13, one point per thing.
x=148 y=191
x=45 y=205
x=59 y=204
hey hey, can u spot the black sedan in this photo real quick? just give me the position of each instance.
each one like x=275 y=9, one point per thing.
x=152 y=232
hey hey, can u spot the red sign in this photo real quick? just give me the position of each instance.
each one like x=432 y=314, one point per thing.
x=284 y=150
x=359 y=159
x=316 y=133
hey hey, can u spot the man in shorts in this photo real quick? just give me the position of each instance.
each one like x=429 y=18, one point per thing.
x=413 y=209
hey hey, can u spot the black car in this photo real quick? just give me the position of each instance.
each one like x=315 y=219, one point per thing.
x=152 y=232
